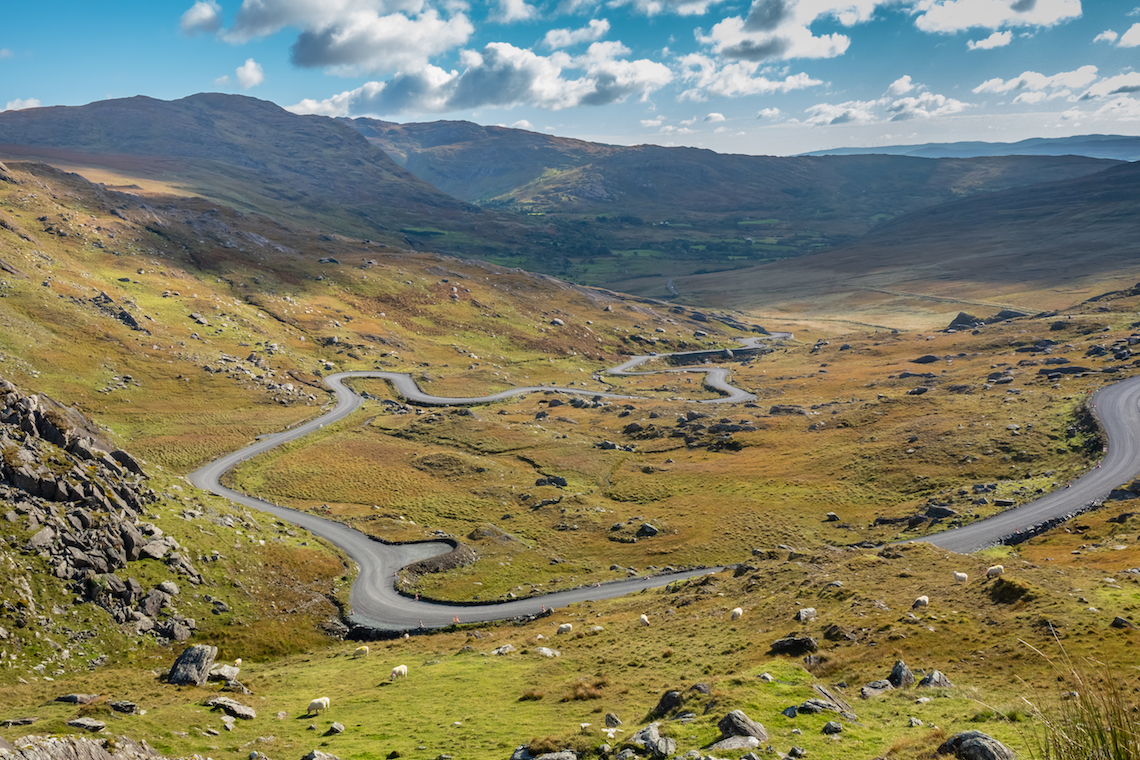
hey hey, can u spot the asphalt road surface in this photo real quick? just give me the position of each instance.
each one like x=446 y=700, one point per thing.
x=1118 y=409
x=374 y=599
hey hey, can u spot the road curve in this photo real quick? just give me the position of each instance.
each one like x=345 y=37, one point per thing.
x=374 y=600
x=1118 y=409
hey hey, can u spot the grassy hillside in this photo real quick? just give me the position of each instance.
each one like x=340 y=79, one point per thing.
x=187 y=329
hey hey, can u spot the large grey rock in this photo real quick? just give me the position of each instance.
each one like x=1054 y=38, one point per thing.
x=316 y=754
x=232 y=707
x=935 y=679
x=736 y=723
x=566 y=754
x=612 y=720
x=832 y=727
x=87 y=724
x=223 y=673
x=78 y=699
x=670 y=701
x=900 y=676
x=875 y=688
x=651 y=740
x=193 y=665
x=795 y=644
x=974 y=745
x=736 y=743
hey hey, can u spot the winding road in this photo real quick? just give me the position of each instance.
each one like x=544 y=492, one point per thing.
x=375 y=603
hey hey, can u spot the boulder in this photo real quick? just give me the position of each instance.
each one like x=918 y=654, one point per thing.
x=335 y=728
x=232 y=707
x=875 y=688
x=935 y=679
x=795 y=644
x=125 y=707
x=547 y=652
x=928 y=359
x=316 y=754
x=651 y=740
x=223 y=673
x=78 y=699
x=670 y=701
x=736 y=723
x=87 y=724
x=805 y=614
x=900 y=676
x=832 y=727
x=612 y=720
x=736 y=743
x=974 y=745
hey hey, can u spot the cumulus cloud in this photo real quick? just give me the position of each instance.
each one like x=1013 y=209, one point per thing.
x=563 y=38
x=768 y=113
x=708 y=79
x=995 y=40
x=502 y=75
x=523 y=124
x=756 y=39
x=949 y=16
x=676 y=7
x=223 y=80
x=851 y=112
x=924 y=106
x=1121 y=84
x=204 y=17
x=714 y=117
x=671 y=130
x=250 y=74
x=901 y=86
x=5 y=53
x=1030 y=82
x=1131 y=38
x=514 y=10
x=20 y=104
x=1107 y=35
x=380 y=43
x=647 y=123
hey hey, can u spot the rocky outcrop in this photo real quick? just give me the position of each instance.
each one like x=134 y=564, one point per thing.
x=193 y=665
x=974 y=745
x=78 y=748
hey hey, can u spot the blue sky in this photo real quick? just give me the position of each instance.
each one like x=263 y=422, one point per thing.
x=736 y=76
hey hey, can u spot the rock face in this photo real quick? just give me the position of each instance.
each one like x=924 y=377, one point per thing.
x=736 y=723
x=193 y=665
x=974 y=745
x=87 y=724
x=651 y=740
x=77 y=748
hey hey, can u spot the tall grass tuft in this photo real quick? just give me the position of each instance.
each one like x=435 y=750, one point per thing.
x=1093 y=721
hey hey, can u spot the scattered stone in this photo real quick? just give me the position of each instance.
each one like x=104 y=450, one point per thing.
x=790 y=712
x=651 y=740
x=78 y=699
x=232 y=707
x=125 y=707
x=669 y=702
x=766 y=677
x=935 y=679
x=974 y=745
x=875 y=688
x=87 y=724
x=900 y=676
x=335 y=728
x=316 y=754
x=797 y=752
x=612 y=720
x=928 y=359
x=18 y=722
x=1119 y=622
x=736 y=743
x=193 y=665
x=805 y=614
x=736 y=723
x=547 y=652
x=832 y=727
x=915 y=722
x=504 y=649
x=795 y=644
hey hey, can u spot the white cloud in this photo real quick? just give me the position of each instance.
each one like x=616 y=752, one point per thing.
x=5 y=53
x=734 y=79
x=677 y=7
x=1120 y=109
x=777 y=38
x=563 y=38
x=21 y=103
x=223 y=80
x=1134 y=12
x=1032 y=81
x=647 y=123
x=900 y=86
x=720 y=130
x=250 y=74
x=851 y=112
x=714 y=117
x=924 y=106
x=1107 y=35
x=1131 y=38
x=995 y=40
x=514 y=10
x=689 y=122
x=768 y=113
x=204 y=16
x=502 y=75
x=523 y=124
x=671 y=130
x=950 y=16
x=1121 y=84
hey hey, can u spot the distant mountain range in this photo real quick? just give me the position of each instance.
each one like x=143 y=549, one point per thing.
x=1119 y=147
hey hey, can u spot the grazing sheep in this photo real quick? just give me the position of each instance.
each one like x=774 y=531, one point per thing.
x=317 y=705
x=960 y=577
x=644 y=620
x=565 y=628
x=360 y=652
x=995 y=571
x=922 y=601
x=737 y=613
x=237 y=663
x=400 y=671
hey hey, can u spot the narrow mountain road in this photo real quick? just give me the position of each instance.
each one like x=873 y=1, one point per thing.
x=374 y=600
x=1118 y=409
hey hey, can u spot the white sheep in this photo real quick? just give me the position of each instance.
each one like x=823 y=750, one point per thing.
x=644 y=620
x=995 y=571
x=400 y=671
x=922 y=601
x=361 y=651
x=960 y=577
x=565 y=628
x=737 y=613
x=237 y=663
x=317 y=705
